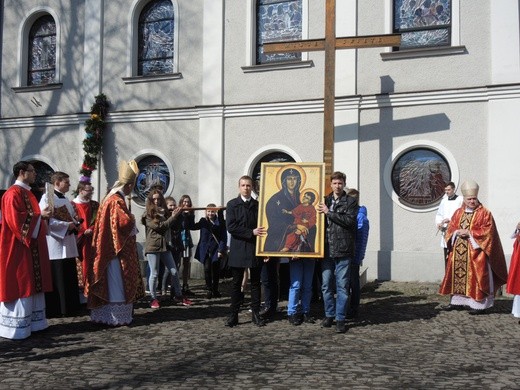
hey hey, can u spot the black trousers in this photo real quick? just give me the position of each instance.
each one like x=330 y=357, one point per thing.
x=236 y=285
x=269 y=278
x=64 y=297
x=211 y=274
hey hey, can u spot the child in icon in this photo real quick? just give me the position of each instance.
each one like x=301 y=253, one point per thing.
x=304 y=218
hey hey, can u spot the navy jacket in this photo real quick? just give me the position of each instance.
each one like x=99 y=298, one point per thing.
x=213 y=238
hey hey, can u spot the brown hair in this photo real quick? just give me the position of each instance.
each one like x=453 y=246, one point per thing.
x=338 y=176
x=181 y=201
x=58 y=176
x=246 y=177
x=153 y=210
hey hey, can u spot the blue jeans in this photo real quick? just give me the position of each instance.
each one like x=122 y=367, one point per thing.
x=302 y=272
x=154 y=258
x=336 y=273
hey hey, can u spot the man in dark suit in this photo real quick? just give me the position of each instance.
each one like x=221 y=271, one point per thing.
x=242 y=217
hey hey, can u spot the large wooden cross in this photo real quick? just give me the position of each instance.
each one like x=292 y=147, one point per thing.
x=329 y=45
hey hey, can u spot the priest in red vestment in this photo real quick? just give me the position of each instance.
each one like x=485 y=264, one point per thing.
x=513 y=280
x=476 y=264
x=86 y=211
x=25 y=271
x=114 y=280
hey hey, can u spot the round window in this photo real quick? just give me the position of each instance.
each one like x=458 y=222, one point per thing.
x=153 y=172
x=419 y=176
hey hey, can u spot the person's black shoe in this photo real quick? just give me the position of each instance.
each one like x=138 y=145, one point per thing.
x=451 y=307
x=209 y=295
x=308 y=319
x=257 y=319
x=232 y=320
x=217 y=294
x=476 y=312
x=327 y=322
x=340 y=327
x=267 y=313
x=295 y=319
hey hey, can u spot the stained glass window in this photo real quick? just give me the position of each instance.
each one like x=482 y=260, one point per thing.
x=41 y=67
x=277 y=20
x=419 y=177
x=423 y=23
x=156 y=28
x=153 y=171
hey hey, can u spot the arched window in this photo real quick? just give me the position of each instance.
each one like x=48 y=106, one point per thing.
x=277 y=20
x=270 y=157
x=156 y=39
x=41 y=64
x=43 y=175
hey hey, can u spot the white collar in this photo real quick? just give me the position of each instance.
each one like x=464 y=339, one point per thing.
x=22 y=184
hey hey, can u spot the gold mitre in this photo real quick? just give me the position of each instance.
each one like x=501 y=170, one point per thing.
x=127 y=172
x=469 y=188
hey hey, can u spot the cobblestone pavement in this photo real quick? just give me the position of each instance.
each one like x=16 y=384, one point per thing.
x=401 y=339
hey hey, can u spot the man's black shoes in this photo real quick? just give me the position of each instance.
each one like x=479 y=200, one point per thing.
x=232 y=320
x=257 y=319
x=295 y=319
x=341 y=327
x=327 y=322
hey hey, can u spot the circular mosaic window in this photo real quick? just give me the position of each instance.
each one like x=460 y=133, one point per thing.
x=153 y=172
x=419 y=177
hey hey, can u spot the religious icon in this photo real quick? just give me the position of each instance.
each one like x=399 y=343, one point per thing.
x=289 y=195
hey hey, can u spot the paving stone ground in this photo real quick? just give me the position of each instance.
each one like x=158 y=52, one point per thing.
x=401 y=340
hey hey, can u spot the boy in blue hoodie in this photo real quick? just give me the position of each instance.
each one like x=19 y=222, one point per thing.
x=363 y=228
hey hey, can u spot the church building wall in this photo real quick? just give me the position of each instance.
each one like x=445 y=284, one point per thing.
x=247 y=83
x=128 y=93
x=403 y=241
x=465 y=68
x=220 y=114
x=17 y=18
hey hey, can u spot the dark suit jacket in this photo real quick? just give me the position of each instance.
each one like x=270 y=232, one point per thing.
x=241 y=220
x=212 y=240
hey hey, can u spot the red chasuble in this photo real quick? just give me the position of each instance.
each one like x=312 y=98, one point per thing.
x=24 y=261
x=513 y=280
x=87 y=212
x=467 y=272
x=112 y=239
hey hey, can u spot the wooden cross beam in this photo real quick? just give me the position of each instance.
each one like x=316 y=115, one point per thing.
x=329 y=45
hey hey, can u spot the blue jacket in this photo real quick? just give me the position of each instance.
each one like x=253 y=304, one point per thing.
x=363 y=227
